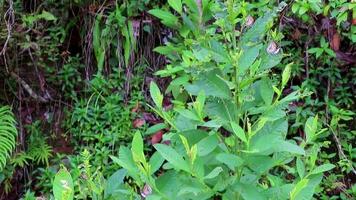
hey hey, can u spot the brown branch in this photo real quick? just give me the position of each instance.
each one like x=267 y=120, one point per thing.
x=340 y=150
x=28 y=88
x=9 y=18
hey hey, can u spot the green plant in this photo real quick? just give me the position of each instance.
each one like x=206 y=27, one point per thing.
x=38 y=148
x=228 y=125
x=8 y=134
x=63 y=185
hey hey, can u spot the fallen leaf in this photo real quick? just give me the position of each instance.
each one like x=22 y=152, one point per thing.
x=157 y=137
x=138 y=123
x=296 y=34
x=335 y=42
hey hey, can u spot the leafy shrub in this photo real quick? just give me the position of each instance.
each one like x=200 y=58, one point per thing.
x=229 y=123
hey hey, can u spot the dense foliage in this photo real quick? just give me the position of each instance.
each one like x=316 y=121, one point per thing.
x=177 y=99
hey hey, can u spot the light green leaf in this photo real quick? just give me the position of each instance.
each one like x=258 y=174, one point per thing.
x=286 y=74
x=248 y=191
x=166 y=17
x=155 y=128
x=298 y=188
x=266 y=91
x=224 y=110
x=239 y=132
x=114 y=182
x=63 y=188
x=300 y=167
x=172 y=157
x=126 y=161
x=322 y=168
x=156 y=95
x=176 y=5
x=137 y=148
x=258 y=30
x=48 y=16
x=284 y=146
x=310 y=128
x=302 y=191
x=247 y=58
x=207 y=145
x=155 y=162
x=231 y=160
x=211 y=84
x=214 y=173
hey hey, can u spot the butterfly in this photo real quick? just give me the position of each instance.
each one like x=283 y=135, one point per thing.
x=273 y=48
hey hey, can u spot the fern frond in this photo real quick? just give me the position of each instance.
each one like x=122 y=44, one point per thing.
x=8 y=134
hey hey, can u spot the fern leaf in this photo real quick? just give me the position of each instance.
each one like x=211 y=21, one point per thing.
x=8 y=134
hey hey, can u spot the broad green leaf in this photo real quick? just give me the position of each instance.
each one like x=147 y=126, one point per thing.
x=224 y=110
x=248 y=191
x=238 y=131
x=166 y=17
x=254 y=161
x=231 y=160
x=214 y=173
x=176 y=5
x=268 y=60
x=207 y=145
x=266 y=91
x=211 y=84
x=155 y=162
x=298 y=188
x=114 y=182
x=126 y=161
x=322 y=168
x=306 y=191
x=156 y=95
x=279 y=192
x=284 y=146
x=247 y=58
x=300 y=167
x=137 y=148
x=63 y=188
x=172 y=157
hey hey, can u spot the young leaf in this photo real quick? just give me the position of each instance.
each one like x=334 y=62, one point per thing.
x=156 y=95
x=63 y=188
x=298 y=188
x=239 y=132
x=166 y=17
x=137 y=148
x=322 y=168
x=286 y=74
x=310 y=128
x=172 y=157
x=176 y=5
